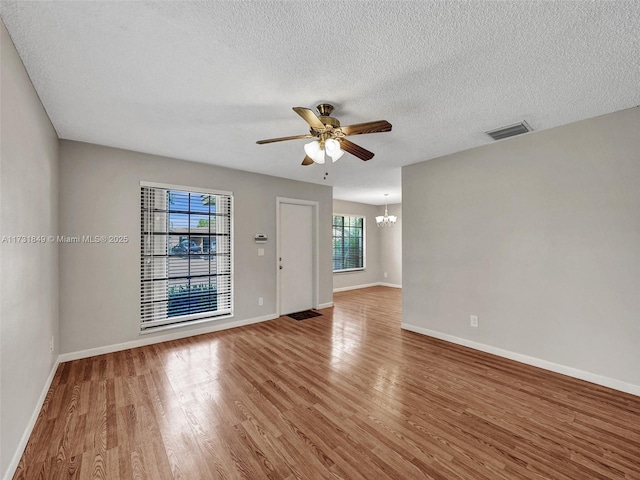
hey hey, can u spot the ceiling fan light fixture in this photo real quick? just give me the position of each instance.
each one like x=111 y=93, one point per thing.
x=332 y=147
x=336 y=156
x=313 y=150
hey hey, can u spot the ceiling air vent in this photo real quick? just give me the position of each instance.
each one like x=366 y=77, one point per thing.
x=509 y=130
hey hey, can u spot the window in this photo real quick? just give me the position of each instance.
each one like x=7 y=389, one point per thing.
x=186 y=256
x=348 y=243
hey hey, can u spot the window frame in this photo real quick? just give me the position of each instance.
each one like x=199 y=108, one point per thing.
x=364 y=242
x=191 y=318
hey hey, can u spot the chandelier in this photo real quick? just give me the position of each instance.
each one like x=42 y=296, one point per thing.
x=386 y=220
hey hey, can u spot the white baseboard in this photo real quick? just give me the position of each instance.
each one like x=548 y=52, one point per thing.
x=367 y=285
x=354 y=287
x=325 y=305
x=536 y=362
x=11 y=468
x=147 y=340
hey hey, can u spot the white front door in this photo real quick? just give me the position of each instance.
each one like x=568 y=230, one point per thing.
x=296 y=253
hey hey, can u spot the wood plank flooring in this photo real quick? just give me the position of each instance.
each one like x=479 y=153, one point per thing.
x=347 y=395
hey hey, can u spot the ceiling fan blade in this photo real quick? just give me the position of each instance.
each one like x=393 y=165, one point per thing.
x=307 y=160
x=282 y=139
x=309 y=117
x=356 y=150
x=369 y=127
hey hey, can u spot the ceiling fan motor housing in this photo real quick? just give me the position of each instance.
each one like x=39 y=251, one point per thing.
x=332 y=122
x=325 y=109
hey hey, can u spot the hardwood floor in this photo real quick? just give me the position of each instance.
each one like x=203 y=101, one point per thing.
x=346 y=395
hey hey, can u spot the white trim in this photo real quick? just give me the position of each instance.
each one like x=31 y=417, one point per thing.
x=350 y=270
x=355 y=287
x=170 y=322
x=325 y=305
x=366 y=285
x=536 y=362
x=316 y=247
x=13 y=465
x=91 y=352
x=184 y=188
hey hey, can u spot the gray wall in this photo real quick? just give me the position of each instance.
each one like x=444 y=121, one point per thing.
x=29 y=289
x=100 y=195
x=391 y=247
x=538 y=235
x=383 y=247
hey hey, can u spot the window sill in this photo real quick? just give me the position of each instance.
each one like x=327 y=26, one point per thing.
x=349 y=270
x=189 y=323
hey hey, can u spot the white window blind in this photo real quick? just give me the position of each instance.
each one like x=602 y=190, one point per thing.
x=186 y=256
x=348 y=243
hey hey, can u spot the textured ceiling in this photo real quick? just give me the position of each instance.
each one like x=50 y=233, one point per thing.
x=204 y=80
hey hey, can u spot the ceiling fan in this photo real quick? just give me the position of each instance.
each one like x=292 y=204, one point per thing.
x=331 y=136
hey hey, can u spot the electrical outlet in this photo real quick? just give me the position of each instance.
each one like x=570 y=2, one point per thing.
x=474 y=321
x=260 y=301
x=51 y=344
x=385 y=274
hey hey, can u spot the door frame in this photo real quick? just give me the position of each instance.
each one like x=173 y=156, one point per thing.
x=315 y=275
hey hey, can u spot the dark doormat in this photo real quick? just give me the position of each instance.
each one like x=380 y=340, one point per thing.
x=304 y=315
